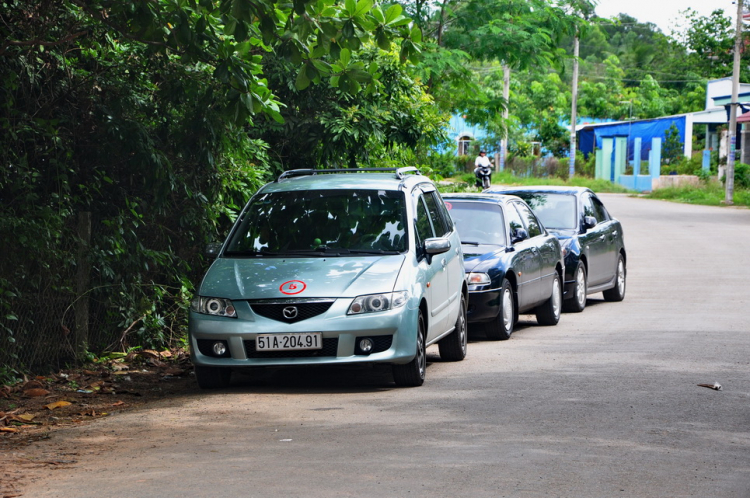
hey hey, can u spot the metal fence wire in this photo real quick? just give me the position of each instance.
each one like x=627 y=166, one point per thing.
x=43 y=336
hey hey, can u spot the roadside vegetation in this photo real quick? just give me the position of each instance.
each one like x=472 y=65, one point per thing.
x=465 y=183
x=134 y=132
x=710 y=192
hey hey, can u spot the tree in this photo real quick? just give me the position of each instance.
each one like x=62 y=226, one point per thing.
x=141 y=113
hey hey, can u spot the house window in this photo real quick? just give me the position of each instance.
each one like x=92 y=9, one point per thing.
x=464 y=143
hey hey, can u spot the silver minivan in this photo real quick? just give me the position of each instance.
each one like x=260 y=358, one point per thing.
x=333 y=267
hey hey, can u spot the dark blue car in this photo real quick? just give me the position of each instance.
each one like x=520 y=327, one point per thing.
x=592 y=240
x=513 y=265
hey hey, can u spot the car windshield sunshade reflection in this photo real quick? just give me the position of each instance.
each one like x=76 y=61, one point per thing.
x=555 y=210
x=478 y=222
x=321 y=223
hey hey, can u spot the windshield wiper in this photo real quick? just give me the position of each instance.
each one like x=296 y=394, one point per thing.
x=250 y=253
x=372 y=251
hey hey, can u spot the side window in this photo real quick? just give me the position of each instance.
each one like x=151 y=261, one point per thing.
x=514 y=219
x=599 y=209
x=424 y=228
x=588 y=207
x=436 y=215
x=532 y=225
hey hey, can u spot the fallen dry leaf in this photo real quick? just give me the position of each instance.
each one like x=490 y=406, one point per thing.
x=8 y=429
x=174 y=371
x=90 y=372
x=34 y=393
x=57 y=404
x=149 y=353
x=118 y=403
x=26 y=417
x=32 y=384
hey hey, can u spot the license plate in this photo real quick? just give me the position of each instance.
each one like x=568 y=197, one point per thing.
x=288 y=342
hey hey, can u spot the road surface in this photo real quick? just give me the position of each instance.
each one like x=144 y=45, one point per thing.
x=604 y=404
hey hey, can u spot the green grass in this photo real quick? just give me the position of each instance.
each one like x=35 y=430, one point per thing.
x=465 y=183
x=710 y=194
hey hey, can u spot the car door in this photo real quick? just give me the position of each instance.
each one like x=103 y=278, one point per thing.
x=444 y=227
x=594 y=244
x=610 y=230
x=434 y=269
x=548 y=252
x=526 y=262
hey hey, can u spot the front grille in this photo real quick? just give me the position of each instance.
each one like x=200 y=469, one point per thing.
x=305 y=310
x=330 y=348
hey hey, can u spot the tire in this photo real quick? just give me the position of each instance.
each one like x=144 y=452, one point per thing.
x=548 y=313
x=212 y=377
x=617 y=293
x=453 y=347
x=502 y=326
x=577 y=303
x=412 y=374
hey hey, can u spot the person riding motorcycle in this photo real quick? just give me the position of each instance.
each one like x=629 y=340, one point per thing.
x=483 y=170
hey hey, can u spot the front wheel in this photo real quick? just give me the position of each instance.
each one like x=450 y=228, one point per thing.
x=412 y=374
x=548 y=313
x=453 y=347
x=577 y=303
x=502 y=326
x=617 y=293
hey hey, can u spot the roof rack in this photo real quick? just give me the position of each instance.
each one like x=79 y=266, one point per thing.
x=400 y=172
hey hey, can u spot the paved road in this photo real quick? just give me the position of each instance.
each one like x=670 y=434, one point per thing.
x=605 y=404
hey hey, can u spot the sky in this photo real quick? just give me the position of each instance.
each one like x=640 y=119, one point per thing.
x=664 y=13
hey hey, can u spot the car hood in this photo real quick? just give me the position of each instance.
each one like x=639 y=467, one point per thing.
x=563 y=234
x=277 y=278
x=477 y=256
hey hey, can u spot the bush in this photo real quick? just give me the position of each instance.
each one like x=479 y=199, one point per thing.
x=741 y=176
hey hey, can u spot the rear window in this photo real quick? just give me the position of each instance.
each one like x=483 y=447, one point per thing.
x=315 y=220
x=554 y=210
x=478 y=222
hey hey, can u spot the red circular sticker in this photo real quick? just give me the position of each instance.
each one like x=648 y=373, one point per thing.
x=449 y=205
x=293 y=287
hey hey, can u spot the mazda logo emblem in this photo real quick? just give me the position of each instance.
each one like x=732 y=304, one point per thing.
x=290 y=312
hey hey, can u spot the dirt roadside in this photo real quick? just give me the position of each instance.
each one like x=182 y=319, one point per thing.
x=32 y=410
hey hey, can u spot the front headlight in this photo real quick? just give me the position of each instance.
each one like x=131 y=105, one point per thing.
x=377 y=302
x=216 y=306
x=477 y=279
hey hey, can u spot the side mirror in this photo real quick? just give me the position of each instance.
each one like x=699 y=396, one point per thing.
x=437 y=245
x=520 y=234
x=212 y=250
x=589 y=222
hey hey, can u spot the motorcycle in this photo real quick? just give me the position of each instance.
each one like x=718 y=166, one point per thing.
x=483 y=174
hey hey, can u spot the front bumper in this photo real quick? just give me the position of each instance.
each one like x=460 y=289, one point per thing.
x=339 y=330
x=484 y=306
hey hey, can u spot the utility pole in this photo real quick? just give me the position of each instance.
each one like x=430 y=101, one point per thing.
x=574 y=109
x=729 y=195
x=506 y=96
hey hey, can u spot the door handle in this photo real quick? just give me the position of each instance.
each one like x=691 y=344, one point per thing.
x=445 y=264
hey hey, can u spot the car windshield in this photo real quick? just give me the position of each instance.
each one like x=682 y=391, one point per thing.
x=322 y=222
x=478 y=222
x=554 y=210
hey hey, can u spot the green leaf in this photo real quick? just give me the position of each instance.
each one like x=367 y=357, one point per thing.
x=416 y=34
x=351 y=7
x=302 y=80
x=377 y=13
x=363 y=6
x=392 y=13
x=345 y=56
x=323 y=67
